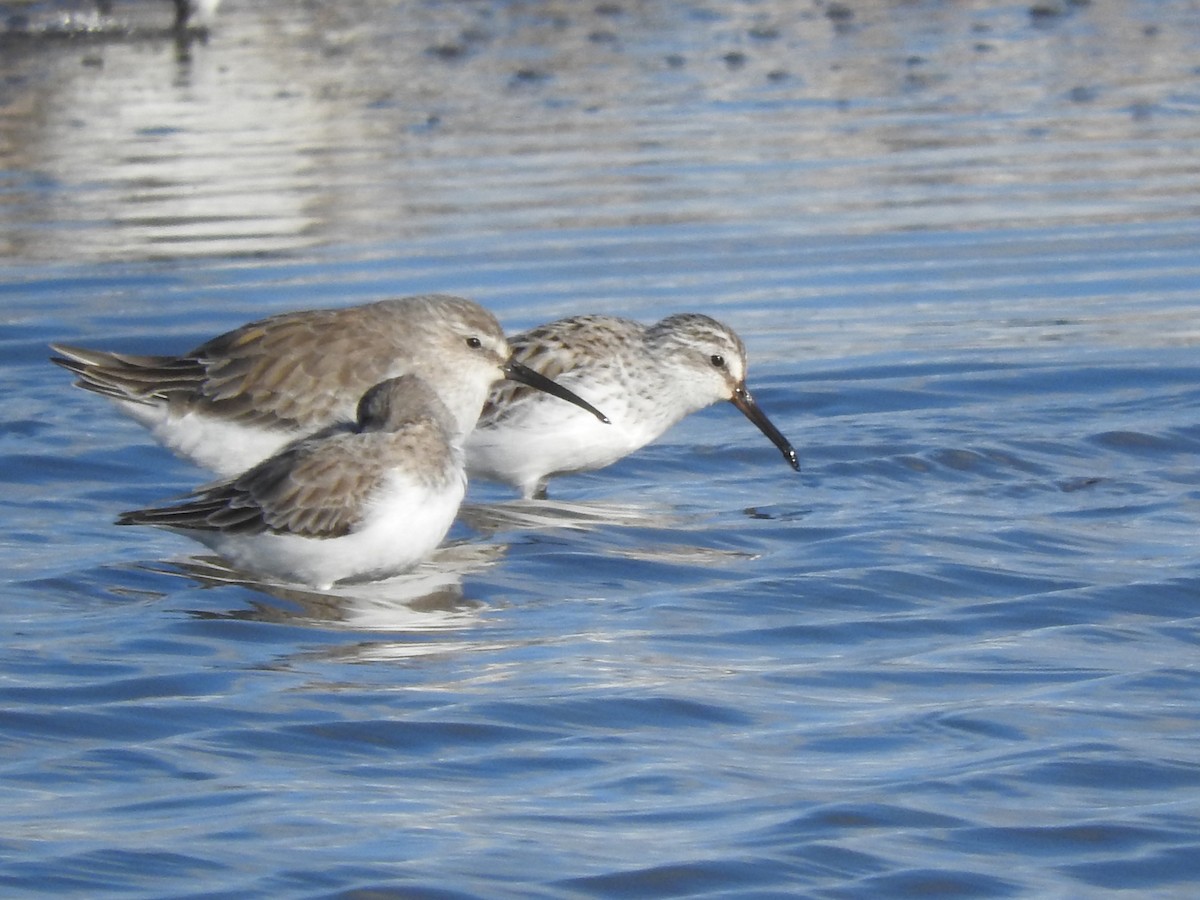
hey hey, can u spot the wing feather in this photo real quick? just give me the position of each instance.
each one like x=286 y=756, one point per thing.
x=319 y=487
x=298 y=491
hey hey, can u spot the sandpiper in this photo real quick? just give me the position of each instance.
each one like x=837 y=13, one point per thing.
x=355 y=501
x=646 y=378
x=240 y=397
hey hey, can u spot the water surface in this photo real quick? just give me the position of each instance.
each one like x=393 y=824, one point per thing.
x=956 y=654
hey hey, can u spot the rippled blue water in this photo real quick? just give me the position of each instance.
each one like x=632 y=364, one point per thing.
x=956 y=655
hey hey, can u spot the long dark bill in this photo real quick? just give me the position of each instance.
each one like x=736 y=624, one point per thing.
x=743 y=400
x=514 y=371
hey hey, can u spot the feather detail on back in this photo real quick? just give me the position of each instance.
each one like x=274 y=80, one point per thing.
x=556 y=350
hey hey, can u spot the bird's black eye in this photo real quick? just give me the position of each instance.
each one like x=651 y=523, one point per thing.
x=717 y=360
x=474 y=343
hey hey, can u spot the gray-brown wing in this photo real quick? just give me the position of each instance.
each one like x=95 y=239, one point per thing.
x=324 y=493
x=299 y=370
x=307 y=490
x=302 y=370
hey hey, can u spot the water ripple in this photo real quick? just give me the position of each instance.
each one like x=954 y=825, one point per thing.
x=953 y=654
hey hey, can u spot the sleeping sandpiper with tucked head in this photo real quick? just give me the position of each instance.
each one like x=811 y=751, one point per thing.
x=361 y=500
x=240 y=397
x=646 y=378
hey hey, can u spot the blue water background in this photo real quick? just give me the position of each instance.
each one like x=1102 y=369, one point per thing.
x=956 y=655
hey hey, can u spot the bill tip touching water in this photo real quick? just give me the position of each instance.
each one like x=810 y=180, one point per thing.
x=646 y=378
x=744 y=401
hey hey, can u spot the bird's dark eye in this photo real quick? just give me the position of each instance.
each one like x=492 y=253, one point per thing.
x=717 y=360
x=474 y=343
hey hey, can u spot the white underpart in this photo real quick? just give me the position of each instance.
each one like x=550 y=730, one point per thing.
x=406 y=523
x=548 y=438
x=224 y=447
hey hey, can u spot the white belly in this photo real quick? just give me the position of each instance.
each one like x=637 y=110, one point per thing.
x=404 y=526
x=227 y=448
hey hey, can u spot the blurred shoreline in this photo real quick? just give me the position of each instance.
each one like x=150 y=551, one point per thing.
x=295 y=126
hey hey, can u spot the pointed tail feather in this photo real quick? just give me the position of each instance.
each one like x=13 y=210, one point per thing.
x=123 y=376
